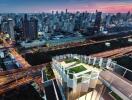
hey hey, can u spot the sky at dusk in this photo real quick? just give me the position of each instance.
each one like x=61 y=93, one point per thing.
x=108 y=6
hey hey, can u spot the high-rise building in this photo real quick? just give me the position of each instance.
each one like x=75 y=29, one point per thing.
x=10 y=30
x=108 y=20
x=25 y=26
x=66 y=11
x=30 y=29
x=4 y=27
x=0 y=28
x=7 y=26
x=97 y=23
x=0 y=23
x=33 y=28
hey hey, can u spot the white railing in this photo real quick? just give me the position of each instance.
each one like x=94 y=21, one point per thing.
x=103 y=63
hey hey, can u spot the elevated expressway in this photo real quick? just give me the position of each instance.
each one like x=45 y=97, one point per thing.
x=114 y=53
x=24 y=74
x=16 y=55
x=13 y=79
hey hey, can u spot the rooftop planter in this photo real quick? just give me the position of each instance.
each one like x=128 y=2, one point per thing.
x=77 y=69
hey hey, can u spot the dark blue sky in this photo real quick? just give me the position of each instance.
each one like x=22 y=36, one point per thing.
x=71 y=5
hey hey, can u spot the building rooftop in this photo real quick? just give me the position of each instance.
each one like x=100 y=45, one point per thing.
x=79 y=71
x=78 y=68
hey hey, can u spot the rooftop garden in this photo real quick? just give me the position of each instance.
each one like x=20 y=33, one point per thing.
x=115 y=96
x=49 y=72
x=77 y=69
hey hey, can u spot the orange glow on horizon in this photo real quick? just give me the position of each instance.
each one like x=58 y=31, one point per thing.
x=106 y=8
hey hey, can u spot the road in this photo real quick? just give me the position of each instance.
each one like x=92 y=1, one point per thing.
x=114 y=53
x=17 y=56
x=17 y=78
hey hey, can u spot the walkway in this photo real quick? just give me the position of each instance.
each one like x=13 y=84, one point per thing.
x=113 y=80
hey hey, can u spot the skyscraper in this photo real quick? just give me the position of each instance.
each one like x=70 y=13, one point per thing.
x=97 y=23
x=30 y=29
x=33 y=28
x=7 y=26
x=10 y=30
x=0 y=28
x=66 y=11
x=25 y=26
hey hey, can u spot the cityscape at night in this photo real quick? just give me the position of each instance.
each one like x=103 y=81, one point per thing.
x=65 y=49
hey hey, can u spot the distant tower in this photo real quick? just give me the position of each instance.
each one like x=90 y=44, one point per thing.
x=30 y=28
x=25 y=25
x=66 y=11
x=52 y=12
x=0 y=28
x=7 y=26
x=4 y=26
x=97 y=23
x=33 y=28
x=0 y=19
x=10 y=30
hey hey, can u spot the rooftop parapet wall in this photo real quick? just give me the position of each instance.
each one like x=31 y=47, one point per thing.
x=117 y=79
x=104 y=63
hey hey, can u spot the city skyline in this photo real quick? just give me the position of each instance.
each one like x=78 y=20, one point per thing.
x=38 y=6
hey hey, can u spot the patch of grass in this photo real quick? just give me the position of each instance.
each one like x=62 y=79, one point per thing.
x=116 y=96
x=77 y=69
x=49 y=72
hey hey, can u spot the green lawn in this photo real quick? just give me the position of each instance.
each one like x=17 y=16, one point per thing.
x=116 y=96
x=77 y=69
x=49 y=72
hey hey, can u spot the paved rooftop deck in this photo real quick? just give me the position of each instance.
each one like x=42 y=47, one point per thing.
x=118 y=82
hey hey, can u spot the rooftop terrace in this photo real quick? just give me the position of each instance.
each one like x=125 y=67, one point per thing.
x=108 y=72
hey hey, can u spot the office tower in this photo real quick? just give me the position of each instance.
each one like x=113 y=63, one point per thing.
x=29 y=28
x=4 y=27
x=25 y=26
x=77 y=24
x=66 y=11
x=33 y=28
x=108 y=20
x=128 y=15
x=97 y=23
x=10 y=30
x=0 y=28
x=7 y=26
x=0 y=20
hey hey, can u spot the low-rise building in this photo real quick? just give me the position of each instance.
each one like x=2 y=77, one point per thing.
x=35 y=43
